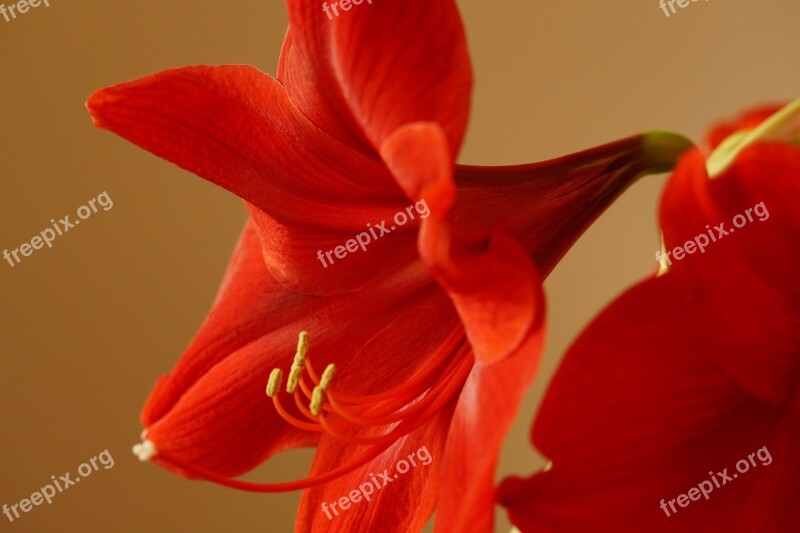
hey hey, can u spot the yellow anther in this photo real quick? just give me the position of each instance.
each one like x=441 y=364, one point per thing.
x=275 y=378
x=299 y=363
x=316 y=401
x=327 y=376
x=319 y=391
x=302 y=348
x=294 y=379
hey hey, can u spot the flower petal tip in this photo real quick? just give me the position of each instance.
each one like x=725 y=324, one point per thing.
x=95 y=104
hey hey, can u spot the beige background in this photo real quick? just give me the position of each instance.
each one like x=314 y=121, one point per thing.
x=88 y=325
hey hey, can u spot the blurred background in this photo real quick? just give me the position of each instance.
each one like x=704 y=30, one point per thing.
x=88 y=325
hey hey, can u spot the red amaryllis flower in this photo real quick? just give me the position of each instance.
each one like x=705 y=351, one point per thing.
x=678 y=408
x=433 y=329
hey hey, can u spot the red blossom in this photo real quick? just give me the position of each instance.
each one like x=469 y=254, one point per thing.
x=686 y=373
x=435 y=331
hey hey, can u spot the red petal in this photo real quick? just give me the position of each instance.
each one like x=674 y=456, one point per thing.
x=747 y=279
x=212 y=412
x=224 y=422
x=686 y=373
x=638 y=413
x=186 y=414
x=491 y=280
x=485 y=410
x=304 y=257
x=378 y=66
x=236 y=127
x=403 y=505
x=249 y=304
x=546 y=206
x=385 y=361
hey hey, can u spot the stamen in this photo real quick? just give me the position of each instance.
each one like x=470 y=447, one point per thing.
x=410 y=424
x=299 y=424
x=405 y=402
x=427 y=372
x=302 y=406
x=378 y=418
x=316 y=401
x=299 y=362
x=306 y=389
x=399 y=409
x=317 y=398
x=275 y=379
x=327 y=376
x=373 y=420
x=404 y=428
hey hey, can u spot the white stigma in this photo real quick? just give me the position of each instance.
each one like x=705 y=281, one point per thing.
x=145 y=451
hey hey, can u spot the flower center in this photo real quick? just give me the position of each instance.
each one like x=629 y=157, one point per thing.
x=386 y=416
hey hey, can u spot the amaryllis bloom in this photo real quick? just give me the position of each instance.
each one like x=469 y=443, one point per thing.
x=425 y=338
x=678 y=409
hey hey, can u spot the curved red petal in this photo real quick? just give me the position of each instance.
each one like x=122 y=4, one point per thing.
x=689 y=372
x=207 y=382
x=224 y=422
x=364 y=73
x=486 y=408
x=745 y=275
x=398 y=502
x=387 y=360
x=638 y=413
x=315 y=259
x=236 y=127
x=212 y=411
x=249 y=303
x=491 y=280
x=546 y=206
